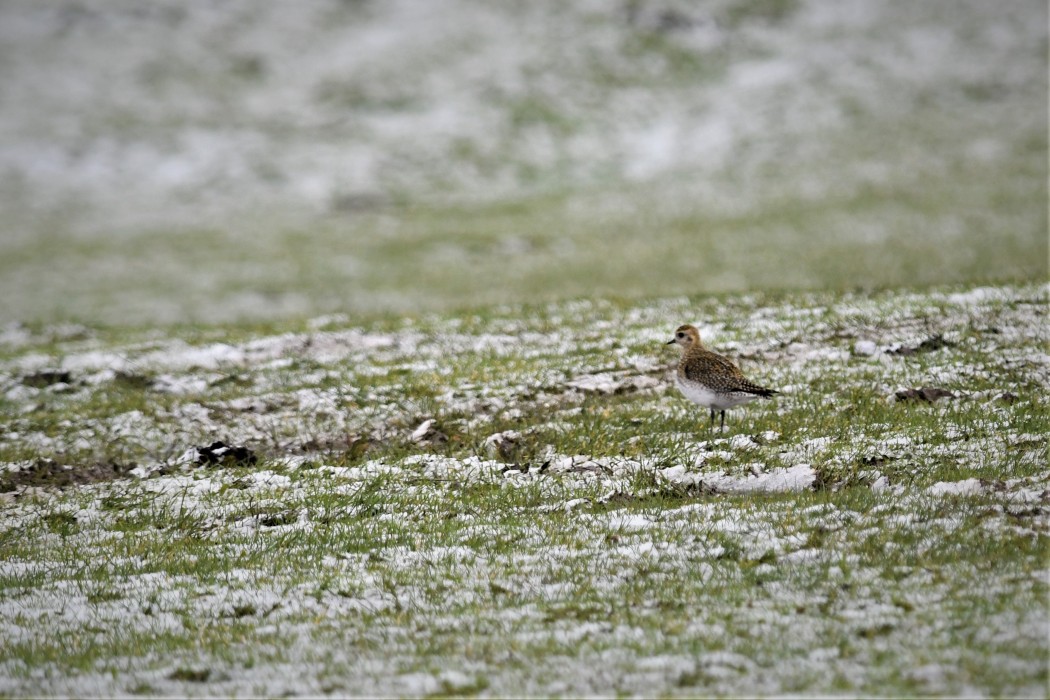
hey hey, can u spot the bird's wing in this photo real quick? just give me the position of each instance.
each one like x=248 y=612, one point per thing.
x=712 y=364
x=721 y=372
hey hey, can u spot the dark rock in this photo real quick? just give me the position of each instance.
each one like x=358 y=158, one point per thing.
x=219 y=454
x=47 y=377
x=929 y=345
x=191 y=675
x=929 y=394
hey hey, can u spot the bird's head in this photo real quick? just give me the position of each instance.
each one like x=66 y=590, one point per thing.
x=687 y=336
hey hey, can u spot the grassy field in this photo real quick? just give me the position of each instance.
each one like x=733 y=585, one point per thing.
x=332 y=348
x=627 y=243
x=378 y=157
x=516 y=501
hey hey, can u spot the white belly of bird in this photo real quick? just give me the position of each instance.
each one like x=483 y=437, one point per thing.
x=698 y=393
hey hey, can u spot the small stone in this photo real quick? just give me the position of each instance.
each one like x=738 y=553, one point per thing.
x=426 y=432
x=219 y=454
x=929 y=394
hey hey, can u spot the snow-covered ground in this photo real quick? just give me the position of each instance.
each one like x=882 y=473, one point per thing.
x=178 y=112
x=246 y=121
x=520 y=503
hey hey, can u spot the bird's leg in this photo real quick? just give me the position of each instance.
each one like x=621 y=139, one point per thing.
x=712 y=424
x=722 y=429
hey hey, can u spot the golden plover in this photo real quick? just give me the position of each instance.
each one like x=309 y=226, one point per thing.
x=709 y=379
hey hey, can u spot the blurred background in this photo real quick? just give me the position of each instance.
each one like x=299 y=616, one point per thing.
x=200 y=161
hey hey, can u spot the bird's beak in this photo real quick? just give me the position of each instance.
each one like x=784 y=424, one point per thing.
x=671 y=341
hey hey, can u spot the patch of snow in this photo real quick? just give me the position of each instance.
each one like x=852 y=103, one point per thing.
x=609 y=384
x=321 y=322
x=15 y=335
x=673 y=473
x=742 y=442
x=180 y=385
x=966 y=487
x=865 y=348
x=714 y=661
x=270 y=479
x=1022 y=438
x=571 y=504
x=814 y=445
x=800 y=477
x=453 y=681
x=804 y=555
x=417 y=684
x=422 y=430
x=180 y=356
x=976 y=296
x=498 y=443
x=628 y=522
x=182 y=484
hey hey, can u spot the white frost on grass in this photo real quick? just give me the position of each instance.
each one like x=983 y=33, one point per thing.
x=608 y=384
x=271 y=480
x=627 y=522
x=977 y=296
x=866 y=348
x=380 y=567
x=433 y=579
x=807 y=449
x=742 y=442
x=183 y=484
x=180 y=385
x=571 y=504
x=437 y=467
x=800 y=477
x=183 y=356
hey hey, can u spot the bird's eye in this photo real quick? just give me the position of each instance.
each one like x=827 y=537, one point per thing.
x=681 y=334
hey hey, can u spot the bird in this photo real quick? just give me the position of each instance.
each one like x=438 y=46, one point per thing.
x=711 y=380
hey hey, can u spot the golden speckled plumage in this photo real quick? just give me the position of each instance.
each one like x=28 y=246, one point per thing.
x=709 y=379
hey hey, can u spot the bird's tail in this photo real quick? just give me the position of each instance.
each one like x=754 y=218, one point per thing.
x=759 y=390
